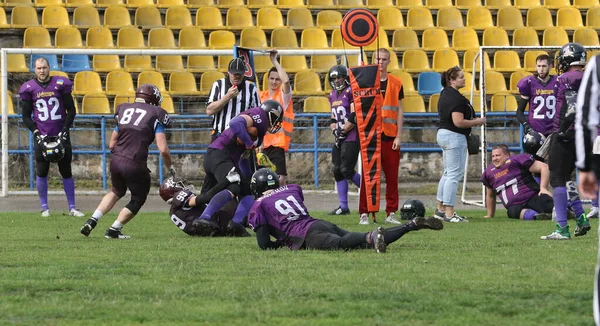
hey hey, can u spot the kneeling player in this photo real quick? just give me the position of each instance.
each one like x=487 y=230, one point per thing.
x=511 y=179
x=280 y=212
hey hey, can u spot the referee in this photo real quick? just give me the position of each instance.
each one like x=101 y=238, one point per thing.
x=587 y=143
x=231 y=96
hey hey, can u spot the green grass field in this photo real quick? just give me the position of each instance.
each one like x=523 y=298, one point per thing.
x=486 y=272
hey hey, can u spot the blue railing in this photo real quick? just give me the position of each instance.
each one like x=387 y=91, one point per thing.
x=305 y=121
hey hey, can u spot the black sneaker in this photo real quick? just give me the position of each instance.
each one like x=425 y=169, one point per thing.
x=431 y=223
x=340 y=211
x=89 y=225
x=206 y=228
x=236 y=230
x=115 y=234
x=543 y=216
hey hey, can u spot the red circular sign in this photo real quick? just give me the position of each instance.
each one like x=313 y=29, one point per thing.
x=359 y=27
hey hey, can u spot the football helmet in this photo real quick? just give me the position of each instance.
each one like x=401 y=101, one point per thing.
x=532 y=141
x=52 y=149
x=571 y=54
x=170 y=187
x=412 y=208
x=149 y=94
x=339 y=71
x=275 y=113
x=263 y=180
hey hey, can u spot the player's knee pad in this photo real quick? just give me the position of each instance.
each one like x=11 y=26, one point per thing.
x=135 y=204
x=234 y=188
x=337 y=174
x=572 y=192
x=514 y=211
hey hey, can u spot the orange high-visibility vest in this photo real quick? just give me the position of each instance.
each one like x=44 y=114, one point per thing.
x=283 y=137
x=389 y=110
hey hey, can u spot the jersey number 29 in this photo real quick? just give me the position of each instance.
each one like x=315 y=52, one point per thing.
x=540 y=102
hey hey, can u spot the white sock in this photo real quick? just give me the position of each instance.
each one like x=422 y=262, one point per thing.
x=117 y=225
x=97 y=215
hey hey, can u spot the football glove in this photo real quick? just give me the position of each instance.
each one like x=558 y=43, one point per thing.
x=172 y=172
x=63 y=135
x=39 y=138
x=263 y=160
x=233 y=176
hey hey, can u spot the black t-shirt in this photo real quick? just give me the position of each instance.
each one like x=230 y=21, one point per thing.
x=383 y=86
x=453 y=101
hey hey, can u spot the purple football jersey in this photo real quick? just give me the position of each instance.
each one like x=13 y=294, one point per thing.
x=49 y=112
x=340 y=108
x=284 y=210
x=569 y=81
x=137 y=124
x=512 y=182
x=183 y=215
x=542 y=102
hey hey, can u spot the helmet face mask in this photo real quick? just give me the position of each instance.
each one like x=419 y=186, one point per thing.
x=274 y=113
x=412 y=208
x=336 y=72
x=149 y=93
x=170 y=187
x=571 y=54
x=263 y=180
x=53 y=150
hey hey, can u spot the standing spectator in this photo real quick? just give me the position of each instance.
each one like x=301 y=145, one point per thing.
x=456 y=119
x=275 y=145
x=53 y=115
x=231 y=96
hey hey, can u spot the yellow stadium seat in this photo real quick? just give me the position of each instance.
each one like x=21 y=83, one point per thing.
x=433 y=103
x=407 y=4
x=525 y=36
x=437 y=4
x=434 y=39
x=287 y=4
x=506 y=61
x=515 y=77
x=313 y=38
x=152 y=77
x=78 y=3
x=408 y=84
x=12 y=3
x=169 y=63
x=509 y=18
x=404 y=39
x=207 y=80
x=284 y=38
x=253 y=37
x=130 y=38
x=147 y=16
x=322 y=63
x=36 y=37
x=527 y=4
x=44 y=3
x=555 y=36
x=468 y=58
x=495 y=36
x=178 y=17
x=415 y=61
x=122 y=98
x=476 y=102
x=468 y=84
x=23 y=17
x=307 y=82
x=169 y=3
x=556 y=4
x=221 y=40
x=257 y=4
x=449 y=18
x=137 y=63
x=116 y=17
x=569 y=18
x=119 y=82
x=413 y=104
x=586 y=36
x=444 y=59
x=330 y=19
x=379 y=4
x=209 y=18
x=239 y=18
x=299 y=18
x=294 y=63
x=161 y=38
x=589 y=54
x=502 y=103
x=55 y=17
x=229 y=3
x=316 y=104
x=529 y=59
x=68 y=37
x=86 y=17
x=99 y=37
x=167 y=104
x=262 y=64
x=191 y=38
x=539 y=18
x=87 y=82
x=585 y=4
x=479 y=18
x=350 y=4
x=195 y=4
x=390 y=18
x=269 y=18
x=464 y=38
x=467 y=4
x=592 y=17
x=419 y=18
x=138 y=3
x=200 y=63
x=183 y=84
x=106 y=63
x=109 y=3
x=381 y=42
x=320 y=4
x=16 y=63
x=223 y=62
x=95 y=104
x=494 y=82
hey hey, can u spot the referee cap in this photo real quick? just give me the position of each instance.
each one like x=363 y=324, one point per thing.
x=237 y=66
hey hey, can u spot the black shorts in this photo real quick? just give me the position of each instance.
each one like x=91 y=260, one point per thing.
x=540 y=204
x=127 y=174
x=217 y=164
x=344 y=160
x=277 y=156
x=561 y=162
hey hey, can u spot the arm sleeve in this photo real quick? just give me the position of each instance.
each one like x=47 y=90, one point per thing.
x=215 y=92
x=587 y=115
x=238 y=126
x=263 y=238
x=67 y=99
x=206 y=197
x=27 y=107
x=521 y=110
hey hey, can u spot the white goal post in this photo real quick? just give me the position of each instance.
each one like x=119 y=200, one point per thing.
x=483 y=146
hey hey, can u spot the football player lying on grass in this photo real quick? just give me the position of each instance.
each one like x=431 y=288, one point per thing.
x=280 y=212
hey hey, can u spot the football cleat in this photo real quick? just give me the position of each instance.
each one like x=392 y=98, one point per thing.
x=115 y=234
x=75 y=212
x=237 y=230
x=340 y=211
x=559 y=234
x=46 y=213
x=431 y=223
x=89 y=225
x=205 y=227
x=364 y=219
x=391 y=219
x=583 y=226
x=378 y=241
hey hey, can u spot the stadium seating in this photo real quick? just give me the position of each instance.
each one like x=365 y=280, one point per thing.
x=526 y=4
x=468 y=84
x=288 y=4
x=195 y=4
x=209 y=18
x=495 y=36
x=222 y=40
x=585 y=4
x=444 y=59
x=586 y=36
x=109 y=3
x=569 y=18
x=405 y=39
x=44 y=3
x=116 y=17
x=419 y=18
x=389 y=18
x=257 y=4
x=415 y=61
x=464 y=38
x=239 y=18
x=322 y=63
x=525 y=36
x=183 y=84
x=299 y=18
x=178 y=17
x=138 y=3
x=16 y=63
x=95 y=104
x=147 y=17
x=169 y=3
x=449 y=18
x=378 y=4
x=329 y=19
x=506 y=61
x=229 y=3
x=167 y=104
x=349 y=4
x=468 y=58
x=556 y=4
x=36 y=37
x=407 y=82
x=207 y=79
x=539 y=18
x=293 y=63
x=407 y=4
x=316 y=104
x=307 y=82
x=438 y=4
x=23 y=17
x=130 y=38
x=269 y=18
x=529 y=59
x=68 y=37
x=434 y=39
x=152 y=77
x=75 y=63
x=380 y=42
x=592 y=17
x=11 y=3
x=502 y=103
x=413 y=104
x=87 y=82
x=515 y=77
x=320 y=4
x=55 y=16
x=99 y=37
x=467 y=4
x=86 y=17
x=106 y=63
x=509 y=18
x=122 y=98
x=495 y=82
x=497 y=4
x=255 y=38
x=429 y=83
x=479 y=18
x=137 y=63
x=433 y=103
x=284 y=38
x=78 y=3
x=556 y=36
x=119 y=82
x=313 y=38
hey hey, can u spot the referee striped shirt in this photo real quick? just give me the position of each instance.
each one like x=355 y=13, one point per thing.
x=588 y=114
x=246 y=99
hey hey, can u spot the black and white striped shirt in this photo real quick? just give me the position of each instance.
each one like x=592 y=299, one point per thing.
x=588 y=114
x=246 y=99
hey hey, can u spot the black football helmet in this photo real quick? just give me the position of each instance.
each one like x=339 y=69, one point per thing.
x=411 y=209
x=149 y=94
x=263 y=180
x=53 y=150
x=532 y=141
x=339 y=71
x=170 y=187
x=275 y=113
x=571 y=54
